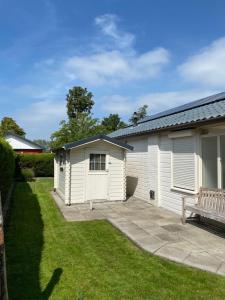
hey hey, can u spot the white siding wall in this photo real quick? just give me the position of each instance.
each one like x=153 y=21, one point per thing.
x=117 y=184
x=153 y=167
x=137 y=168
x=149 y=167
x=116 y=171
x=61 y=181
x=77 y=180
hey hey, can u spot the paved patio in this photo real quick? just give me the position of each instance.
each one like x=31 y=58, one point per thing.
x=157 y=231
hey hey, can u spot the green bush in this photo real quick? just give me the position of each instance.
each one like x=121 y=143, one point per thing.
x=27 y=174
x=42 y=164
x=7 y=168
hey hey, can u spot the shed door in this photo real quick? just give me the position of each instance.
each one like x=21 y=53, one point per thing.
x=97 y=175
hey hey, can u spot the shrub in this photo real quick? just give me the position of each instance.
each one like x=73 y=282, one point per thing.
x=27 y=174
x=42 y=164
x=7 y=168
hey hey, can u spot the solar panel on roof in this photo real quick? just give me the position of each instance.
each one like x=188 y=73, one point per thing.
x=186 y=106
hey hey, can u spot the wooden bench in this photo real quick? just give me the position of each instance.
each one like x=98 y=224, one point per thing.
x=210 y=204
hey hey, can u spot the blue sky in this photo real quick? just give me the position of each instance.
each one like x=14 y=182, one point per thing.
x=127 y=53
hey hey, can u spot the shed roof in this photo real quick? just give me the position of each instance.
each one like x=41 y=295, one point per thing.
x=205 y=109
x=100 y=137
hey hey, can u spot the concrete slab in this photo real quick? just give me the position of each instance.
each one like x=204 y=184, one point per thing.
x=203 y=261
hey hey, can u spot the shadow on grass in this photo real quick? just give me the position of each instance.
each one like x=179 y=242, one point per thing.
x=24 y=244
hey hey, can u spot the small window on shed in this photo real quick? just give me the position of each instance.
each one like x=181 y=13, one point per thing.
x=97 y=162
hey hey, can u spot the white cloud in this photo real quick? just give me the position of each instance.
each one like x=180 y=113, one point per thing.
x=40 y=118
x=108 y=26
x=207 y=67
x=115 y=67
x=117 y=62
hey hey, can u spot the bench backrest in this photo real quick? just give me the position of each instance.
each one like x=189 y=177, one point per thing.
x=212 y=200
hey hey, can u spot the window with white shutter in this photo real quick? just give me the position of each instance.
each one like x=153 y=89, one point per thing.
x=184 y=163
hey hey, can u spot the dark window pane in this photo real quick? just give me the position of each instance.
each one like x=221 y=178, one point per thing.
x=103 y=158
x=97 y=166
x=92 y=166
x=103 y=166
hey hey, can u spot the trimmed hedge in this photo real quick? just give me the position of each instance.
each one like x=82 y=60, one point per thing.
x=42 y=164
x=7 y=168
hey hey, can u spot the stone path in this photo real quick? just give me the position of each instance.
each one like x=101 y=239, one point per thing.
x=156 y=230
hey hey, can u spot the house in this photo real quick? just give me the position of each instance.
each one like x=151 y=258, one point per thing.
x=91 y=169
x=175 y=152
x=23 y=145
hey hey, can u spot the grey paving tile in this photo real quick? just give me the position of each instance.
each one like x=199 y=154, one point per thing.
x=172 y=252
x=203 y=261
x=150 y=243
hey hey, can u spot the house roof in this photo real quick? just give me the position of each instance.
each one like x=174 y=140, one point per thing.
x=200 y=111
x=36 y=146
x=100 y=137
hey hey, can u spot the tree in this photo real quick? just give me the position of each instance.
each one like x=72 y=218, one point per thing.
x=9 y=125
x=76 y=129
x=79 y=100
x=139 y=115
x=113 y=122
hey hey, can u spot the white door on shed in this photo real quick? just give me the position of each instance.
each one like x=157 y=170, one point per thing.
x=97 y=175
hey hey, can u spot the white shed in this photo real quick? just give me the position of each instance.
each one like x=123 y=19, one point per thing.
x=91 y=169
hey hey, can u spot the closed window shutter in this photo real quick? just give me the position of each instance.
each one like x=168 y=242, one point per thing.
x=184 y=163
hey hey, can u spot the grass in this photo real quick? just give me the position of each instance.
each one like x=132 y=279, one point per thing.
x=49 y=258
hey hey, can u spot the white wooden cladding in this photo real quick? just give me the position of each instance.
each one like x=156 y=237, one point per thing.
x=184 y=163
x=212 y=200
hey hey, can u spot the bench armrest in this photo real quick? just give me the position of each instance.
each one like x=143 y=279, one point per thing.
x=190 y=197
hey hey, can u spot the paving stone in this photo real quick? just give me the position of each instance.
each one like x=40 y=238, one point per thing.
x=174 y=227
x=203 y=261
x=172 y=252
x=150 y=243
x=168 y=237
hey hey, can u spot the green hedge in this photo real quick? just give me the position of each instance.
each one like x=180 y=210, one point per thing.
x=7 y=168
x=42 y=164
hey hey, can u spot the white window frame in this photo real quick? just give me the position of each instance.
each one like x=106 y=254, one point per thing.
x=101 y=154
x=219 y=162
x=94 y=172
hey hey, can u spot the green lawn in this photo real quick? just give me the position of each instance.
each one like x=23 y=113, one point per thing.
x=49 y=258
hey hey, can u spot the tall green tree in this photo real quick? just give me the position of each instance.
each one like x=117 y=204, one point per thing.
x=9 y=125
x=139 y=115
x=79 y=100
x=113 y=122
x=82 y=126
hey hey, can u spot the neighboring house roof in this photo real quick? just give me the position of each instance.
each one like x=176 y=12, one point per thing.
x=96 y=138
x=23 y=140
x=206 y=109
